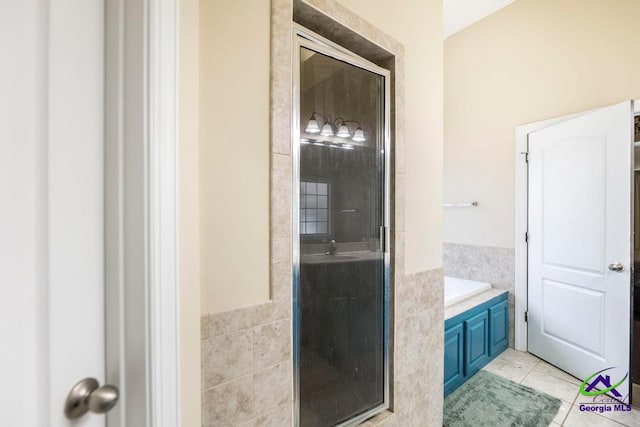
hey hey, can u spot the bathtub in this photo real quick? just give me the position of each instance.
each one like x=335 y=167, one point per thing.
x=456 y=290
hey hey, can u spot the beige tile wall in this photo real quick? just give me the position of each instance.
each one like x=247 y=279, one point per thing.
x=247 y=353
x=246 y=366
x=484 y=264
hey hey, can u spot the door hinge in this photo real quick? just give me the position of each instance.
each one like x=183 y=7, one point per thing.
x=526 y=316
x=526 y=156
x=383 y=238
x=526 y=237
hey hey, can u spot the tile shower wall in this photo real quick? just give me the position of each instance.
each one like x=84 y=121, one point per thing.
x=247 y=353
x=484 y=264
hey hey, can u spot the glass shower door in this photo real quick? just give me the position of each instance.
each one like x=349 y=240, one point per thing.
x=341 y=315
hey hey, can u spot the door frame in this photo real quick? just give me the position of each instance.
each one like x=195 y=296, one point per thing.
x=303 y=37
x=521 y=220
x=141 y=211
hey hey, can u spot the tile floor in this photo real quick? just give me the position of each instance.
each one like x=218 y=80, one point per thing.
x=530 y=371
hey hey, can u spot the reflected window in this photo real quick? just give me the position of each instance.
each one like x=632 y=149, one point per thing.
x=314 y=208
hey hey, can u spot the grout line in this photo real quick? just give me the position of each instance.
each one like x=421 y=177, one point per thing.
x=538 y=361
x=253 y=354
x=575 y=399
x=203 y=405
x=270 y=322
x=558 y=369
x=228 y=382
x=568 y=411
x=252 y=373
x=253 y=376
x=235 y=331
x=529 y=373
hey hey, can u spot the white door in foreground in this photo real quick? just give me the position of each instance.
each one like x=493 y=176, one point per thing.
x=51 y=219
x=579 y=243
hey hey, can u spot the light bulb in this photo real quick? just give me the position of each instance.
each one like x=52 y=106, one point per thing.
x=343 y=131
x=312 y=126
x=326 y=130
x=358 y=135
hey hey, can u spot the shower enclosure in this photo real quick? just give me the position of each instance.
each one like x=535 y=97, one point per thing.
x=341 y=226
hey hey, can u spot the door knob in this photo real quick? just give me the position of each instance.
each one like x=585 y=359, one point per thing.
x=87 y=395
x=616 y=266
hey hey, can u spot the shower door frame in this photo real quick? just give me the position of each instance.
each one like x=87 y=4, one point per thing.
x=302 y=37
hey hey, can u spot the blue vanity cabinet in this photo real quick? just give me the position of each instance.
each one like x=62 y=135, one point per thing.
x=453 y=358
x=498 y=328
x=473 y=338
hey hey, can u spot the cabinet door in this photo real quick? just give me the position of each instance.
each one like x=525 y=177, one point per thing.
x=498 y=328
x=476 y=331
x=453 y=358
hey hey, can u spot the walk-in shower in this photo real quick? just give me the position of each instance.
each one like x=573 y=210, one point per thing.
x=341 y=224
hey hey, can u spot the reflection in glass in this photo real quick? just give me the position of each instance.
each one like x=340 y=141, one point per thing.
x=341 y=284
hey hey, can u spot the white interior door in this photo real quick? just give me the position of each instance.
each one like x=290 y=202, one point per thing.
x=579 y=232
x=51 y=221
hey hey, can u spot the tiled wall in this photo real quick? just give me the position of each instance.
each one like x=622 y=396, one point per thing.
x=246 y=353
x=419 y=351
x=246 y=367
x=246 y=361
x=484 y=264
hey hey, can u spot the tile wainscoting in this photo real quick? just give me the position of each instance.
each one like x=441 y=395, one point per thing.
x=247 y=366
x=418 y=350
x=484 y=264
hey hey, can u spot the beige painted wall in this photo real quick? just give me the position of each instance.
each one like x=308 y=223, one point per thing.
x=189 y=227
x=234 y=153
x=417 y=24
x=533 y=60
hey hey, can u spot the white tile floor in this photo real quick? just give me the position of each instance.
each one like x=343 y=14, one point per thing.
x=528 y=370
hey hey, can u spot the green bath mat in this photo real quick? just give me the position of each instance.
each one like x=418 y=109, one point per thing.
x=489 y=400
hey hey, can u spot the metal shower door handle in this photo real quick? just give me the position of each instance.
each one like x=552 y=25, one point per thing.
x=616 y=266
x=87 y=395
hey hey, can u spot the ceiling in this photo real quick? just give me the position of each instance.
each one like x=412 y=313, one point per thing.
x=459 y=14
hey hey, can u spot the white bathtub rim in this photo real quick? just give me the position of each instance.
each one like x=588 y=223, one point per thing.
x=473 y=288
